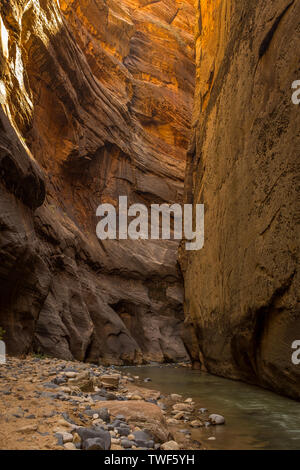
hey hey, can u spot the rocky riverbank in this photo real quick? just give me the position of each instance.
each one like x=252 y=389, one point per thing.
x=56 y=404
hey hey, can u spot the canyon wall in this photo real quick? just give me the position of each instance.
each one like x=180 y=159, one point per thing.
x=96 y=101
x=241 y=289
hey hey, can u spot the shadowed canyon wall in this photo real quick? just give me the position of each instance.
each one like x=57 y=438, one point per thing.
x=96 y=99
x=241 y=289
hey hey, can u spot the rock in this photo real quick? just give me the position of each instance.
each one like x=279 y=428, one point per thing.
x=182 y=407
x=142 y=438
x=126 y=443
x=147 y=380
x=216 y=419
x=170 y=445
x=67 y=437
x=110 y=381
x=98 y=438
x=70 y=446
x=176 y=397
x=123 y=431
x=188 y=400
x=202 y=410
x=94 y=443
x=101 y=413
x=59 y=438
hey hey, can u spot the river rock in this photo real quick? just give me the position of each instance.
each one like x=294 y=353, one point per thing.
x=67 y=437
x=93 y=443
x=102 y=436
x=216 y=419
x=126 y=443
x=196 y=424
x=182 y=407
x=142 y=438
x=170 y=445
x=70 y=446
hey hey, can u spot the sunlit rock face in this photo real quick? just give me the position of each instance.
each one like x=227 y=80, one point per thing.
x=96 y=102
x=241 y=289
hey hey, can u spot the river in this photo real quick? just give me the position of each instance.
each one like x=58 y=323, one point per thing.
x=255 y=418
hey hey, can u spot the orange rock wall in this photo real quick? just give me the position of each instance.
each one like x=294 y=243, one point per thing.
x=96 y=99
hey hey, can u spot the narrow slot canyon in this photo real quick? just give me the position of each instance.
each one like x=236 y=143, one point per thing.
x=169 y=102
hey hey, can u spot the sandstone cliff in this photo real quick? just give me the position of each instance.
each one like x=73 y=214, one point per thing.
x=96 y=102
x=241 y=289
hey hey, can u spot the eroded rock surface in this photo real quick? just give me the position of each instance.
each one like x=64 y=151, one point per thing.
x=241 y=289
x=96 y=102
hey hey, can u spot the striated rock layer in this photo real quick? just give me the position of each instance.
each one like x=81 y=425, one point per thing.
x=96 y=100
x=241 y=289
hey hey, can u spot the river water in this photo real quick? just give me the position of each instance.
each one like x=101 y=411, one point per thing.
x=255 y=418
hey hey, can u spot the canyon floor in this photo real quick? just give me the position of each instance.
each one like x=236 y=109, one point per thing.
x=52 y=404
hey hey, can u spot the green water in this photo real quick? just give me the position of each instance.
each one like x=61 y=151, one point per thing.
x=255 y=418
